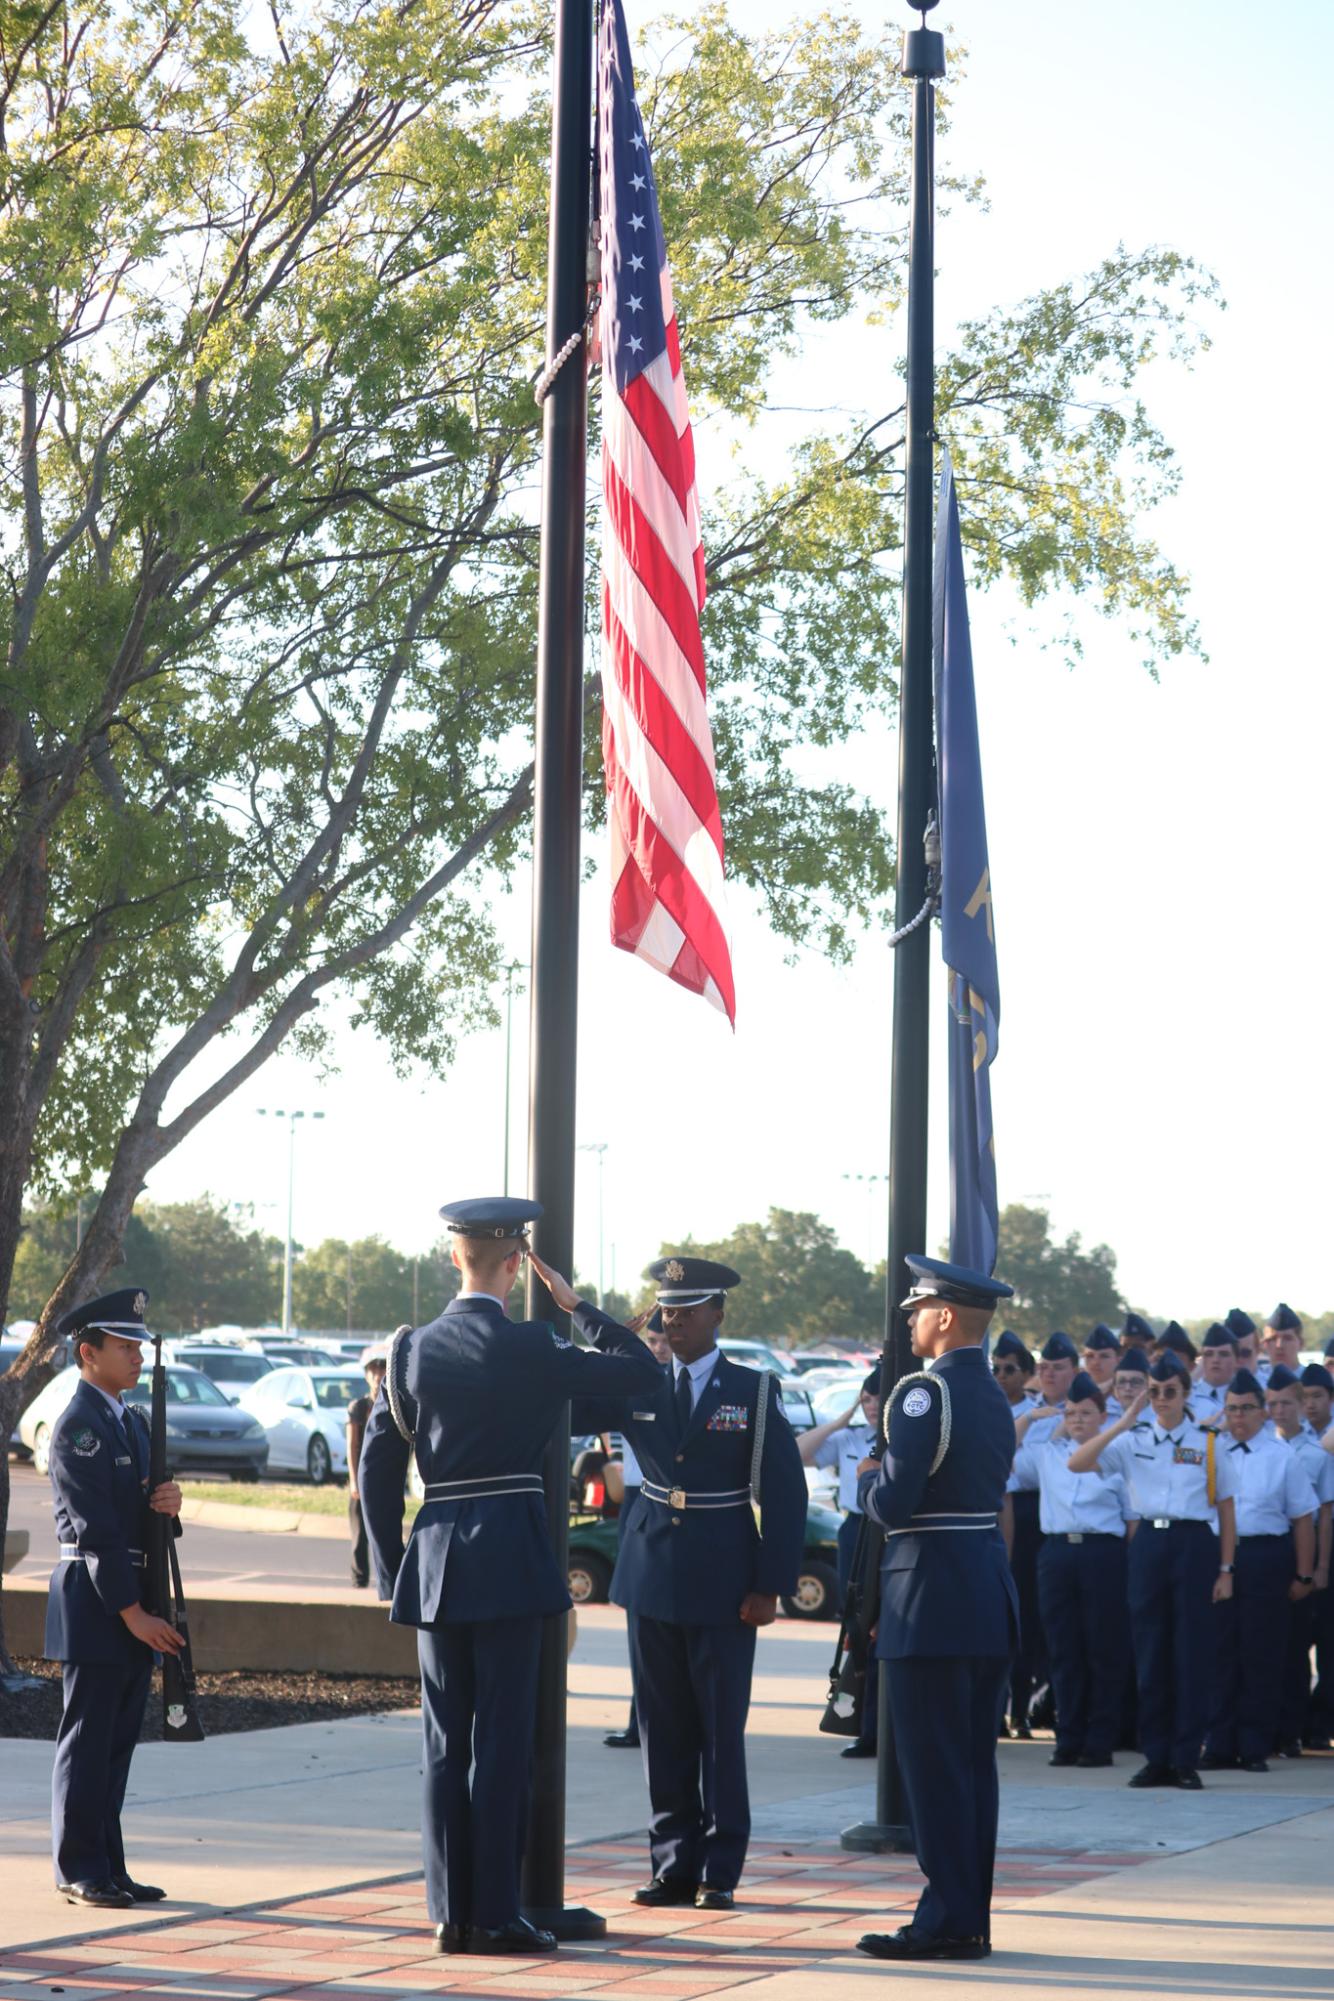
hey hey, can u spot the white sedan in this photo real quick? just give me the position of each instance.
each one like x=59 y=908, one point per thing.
x=304 y=1415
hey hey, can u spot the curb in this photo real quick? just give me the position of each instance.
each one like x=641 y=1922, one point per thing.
x=263 y=1521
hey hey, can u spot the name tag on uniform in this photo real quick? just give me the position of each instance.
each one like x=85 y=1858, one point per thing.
x=124 y=1459
x=1186 y=1455
x=729 y=1417
x=645 y=1416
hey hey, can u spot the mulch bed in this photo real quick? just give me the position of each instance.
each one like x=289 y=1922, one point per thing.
x=227 y=1702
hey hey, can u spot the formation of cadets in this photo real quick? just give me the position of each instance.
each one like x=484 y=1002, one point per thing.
x=1138 y=1536
x=1169 y=1524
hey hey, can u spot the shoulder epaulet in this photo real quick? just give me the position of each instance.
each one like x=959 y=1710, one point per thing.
x=917 y=1403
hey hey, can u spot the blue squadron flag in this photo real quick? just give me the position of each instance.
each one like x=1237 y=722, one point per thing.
x=968 y=932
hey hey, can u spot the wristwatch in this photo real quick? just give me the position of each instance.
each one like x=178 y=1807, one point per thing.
x=1306 y=1580
x=1226 y=1569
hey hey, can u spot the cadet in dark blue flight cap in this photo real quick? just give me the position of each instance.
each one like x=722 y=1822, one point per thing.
x=948 y=1615
x=700 y=1574
x=474 y=1397
x=1101 y=1349
x=1218 y=1365
x=95 y=1624
x=1281 y=1337
x=1137 y=1333
x=1174 y=1340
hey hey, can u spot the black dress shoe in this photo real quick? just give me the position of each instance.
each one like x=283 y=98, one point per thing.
x=1187 y=1779
x=858 y=1748
x=1021 y=1730
x=142 y=1893
x=98 y=1896
x=517 y=1939
x=1290 y=1748
x=622 y=1740
x=1218 y=1761
x=709 y=1897
x=908 y=1944
x=667 y=1890
x=1093 y=1761
x=451 y=1938
x=1255 y=1765
x=1153 y=1775
x=1066 y=1758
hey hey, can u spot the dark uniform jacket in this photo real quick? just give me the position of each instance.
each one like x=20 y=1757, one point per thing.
x=945 y=1583
x=480 y=1393
x=99 y=1473
x=694 y=1565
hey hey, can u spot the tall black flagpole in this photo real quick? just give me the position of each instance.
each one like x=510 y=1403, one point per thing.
x=923 y=61
x=556 y=813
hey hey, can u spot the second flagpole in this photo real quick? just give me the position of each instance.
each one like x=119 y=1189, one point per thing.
x=556 y=823
x=923 y=62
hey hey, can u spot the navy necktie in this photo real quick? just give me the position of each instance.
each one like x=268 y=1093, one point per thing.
x=684 y=1406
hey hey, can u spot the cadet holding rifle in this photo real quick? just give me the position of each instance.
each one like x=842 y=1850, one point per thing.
x=96 y=1626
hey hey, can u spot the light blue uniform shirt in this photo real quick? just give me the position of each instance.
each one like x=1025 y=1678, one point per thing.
x=846 y=1448
x=1206 y=1402
x=1166 y=1472
x=1272 y=1490
x=1072 y=1503
x=1316 y=1463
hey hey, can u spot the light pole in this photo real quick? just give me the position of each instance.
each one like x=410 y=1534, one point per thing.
x=599 y=1147
x=514 y=966
x=277 y=1112
x=870 y=1180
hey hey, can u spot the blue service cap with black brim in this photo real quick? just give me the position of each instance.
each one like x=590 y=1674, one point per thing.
x=495 y=1216
x=689 y=1282
x=113 y=1313
x=936 y=1283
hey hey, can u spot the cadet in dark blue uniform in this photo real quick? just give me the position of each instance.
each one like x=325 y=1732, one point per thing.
x=474 y=1396
x=95 y=1624
x=699 y=1577
x=949 y=1615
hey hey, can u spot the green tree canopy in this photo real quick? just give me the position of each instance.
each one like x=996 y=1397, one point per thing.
x=797 y=1282
x=369 y=1286
x=1055 y=1284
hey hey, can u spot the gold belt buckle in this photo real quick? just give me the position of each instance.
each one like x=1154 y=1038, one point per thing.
x=677 y=1497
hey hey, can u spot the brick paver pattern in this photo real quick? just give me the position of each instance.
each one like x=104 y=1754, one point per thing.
x=801 y=1904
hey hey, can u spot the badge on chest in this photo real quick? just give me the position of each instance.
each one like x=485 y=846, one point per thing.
x=729 y=1417
x=1186 y=1455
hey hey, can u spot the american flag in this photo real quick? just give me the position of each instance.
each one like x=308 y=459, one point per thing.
x=667 y=901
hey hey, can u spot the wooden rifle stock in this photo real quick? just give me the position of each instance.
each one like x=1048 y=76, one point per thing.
x=163 y=1595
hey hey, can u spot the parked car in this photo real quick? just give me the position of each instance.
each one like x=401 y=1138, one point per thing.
x=233 y=1369
x=592 y=1558
x=204 y=1433
x=298 y=1354
x=753 y=1355
x=11 y=1347
x=304 y=1414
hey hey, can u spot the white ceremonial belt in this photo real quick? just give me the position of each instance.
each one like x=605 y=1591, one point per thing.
x=677 y=1497
x=71 y=1553
x=489 y=1487
x=955 y=1519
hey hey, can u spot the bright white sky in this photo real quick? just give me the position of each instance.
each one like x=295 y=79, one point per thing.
x=1160 y=853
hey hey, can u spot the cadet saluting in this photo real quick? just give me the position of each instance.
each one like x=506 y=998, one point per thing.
x=700 y=1578
x=949 y=1615
x=1176 y=1479
x=474 y=1395
x=95 y=1624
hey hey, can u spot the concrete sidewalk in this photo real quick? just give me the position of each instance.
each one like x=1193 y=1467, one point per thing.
x=292 y=1858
